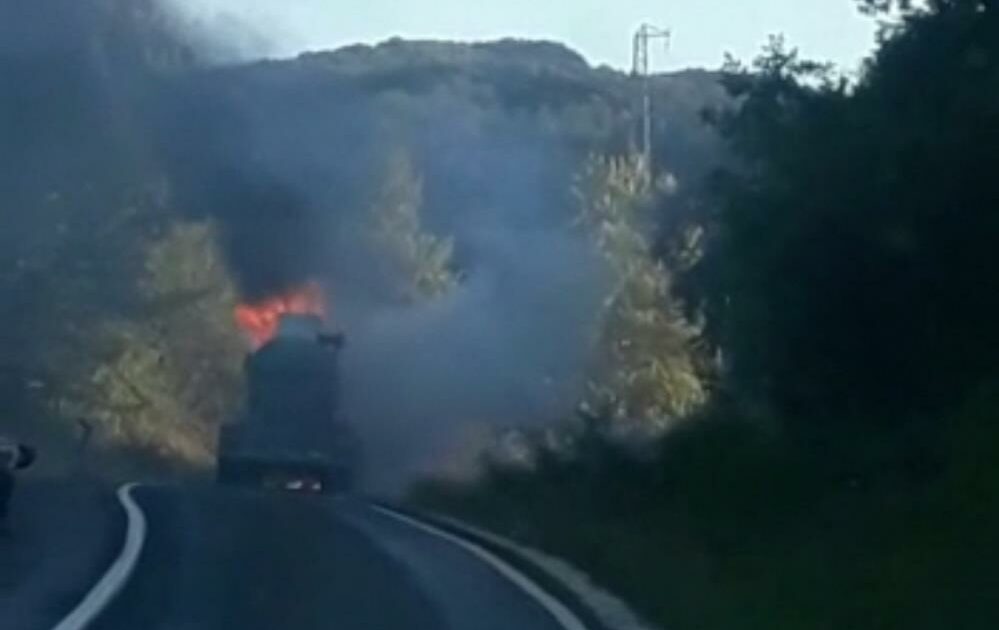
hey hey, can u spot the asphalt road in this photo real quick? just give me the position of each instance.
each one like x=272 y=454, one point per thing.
x=60 y=539
x=219 y=560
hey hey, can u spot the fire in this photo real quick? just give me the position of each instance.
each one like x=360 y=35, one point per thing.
x=259 y=320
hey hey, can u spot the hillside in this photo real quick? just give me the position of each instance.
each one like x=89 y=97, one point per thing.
x=496 y=127
x=149 y=192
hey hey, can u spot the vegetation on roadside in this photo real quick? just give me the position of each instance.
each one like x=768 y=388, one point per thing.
x=725 y=526
x=418 y=264
x=791 y=418
x=146 y=194
x=171 y=373
x=843 y=474
x=646 y=371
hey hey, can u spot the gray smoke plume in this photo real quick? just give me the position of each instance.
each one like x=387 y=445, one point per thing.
x=290 y=182
x=286 y=154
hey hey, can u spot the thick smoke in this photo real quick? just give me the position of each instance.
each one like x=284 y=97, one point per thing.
x=285 y=156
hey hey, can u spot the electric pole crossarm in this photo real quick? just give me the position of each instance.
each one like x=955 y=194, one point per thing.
x=641 y=68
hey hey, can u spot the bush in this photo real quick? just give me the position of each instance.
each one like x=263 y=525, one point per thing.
x=731 y=527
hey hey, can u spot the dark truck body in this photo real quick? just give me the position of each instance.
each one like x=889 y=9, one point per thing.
x=291 y=435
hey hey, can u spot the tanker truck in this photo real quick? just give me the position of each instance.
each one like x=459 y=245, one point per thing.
x=290 y=435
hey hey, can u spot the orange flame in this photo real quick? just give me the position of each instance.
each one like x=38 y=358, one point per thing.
x=259 y=320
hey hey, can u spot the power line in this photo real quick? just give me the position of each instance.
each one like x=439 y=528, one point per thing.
x=641 y=68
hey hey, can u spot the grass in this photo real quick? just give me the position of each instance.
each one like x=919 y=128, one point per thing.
x=729 y=528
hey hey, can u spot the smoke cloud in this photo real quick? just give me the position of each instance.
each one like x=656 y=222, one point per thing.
x=286 y=154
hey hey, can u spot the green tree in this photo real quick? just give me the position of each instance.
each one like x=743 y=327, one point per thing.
x=170 y=375
x=419 y=264
x=645 y=368
x=857 y=275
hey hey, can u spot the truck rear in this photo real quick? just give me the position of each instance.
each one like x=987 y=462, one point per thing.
x=290 y=435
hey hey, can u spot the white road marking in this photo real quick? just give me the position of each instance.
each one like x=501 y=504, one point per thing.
x=117 y=575
x=565 y=617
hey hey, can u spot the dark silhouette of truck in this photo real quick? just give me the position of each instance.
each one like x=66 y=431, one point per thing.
x=291 y=435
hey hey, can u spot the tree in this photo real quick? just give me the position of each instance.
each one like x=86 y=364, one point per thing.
x=420 y=264
x=856 y=271
x=645 y=369
x=169 y=375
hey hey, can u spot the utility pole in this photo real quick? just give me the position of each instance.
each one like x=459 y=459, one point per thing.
x=641 y=69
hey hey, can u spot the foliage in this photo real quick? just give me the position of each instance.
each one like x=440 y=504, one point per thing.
x=910 y=7
x=542 y=89
x=170 y=375
x=646 y=367
x=420 y=263
x=729 y=527
x=855 y=270
x=79 y=199
x=853 y=273
x=113 y=134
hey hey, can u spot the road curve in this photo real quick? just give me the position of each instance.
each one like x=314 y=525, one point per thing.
x=219 y=559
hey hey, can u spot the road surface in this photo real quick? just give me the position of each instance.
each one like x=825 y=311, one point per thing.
x=228 y=559
x=60 y=539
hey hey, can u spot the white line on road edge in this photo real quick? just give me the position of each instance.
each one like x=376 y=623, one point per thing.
x=555 y=608
x=117 y=575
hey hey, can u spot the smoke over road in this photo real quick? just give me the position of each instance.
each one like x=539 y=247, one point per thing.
x=287 y=157
x=295 y=152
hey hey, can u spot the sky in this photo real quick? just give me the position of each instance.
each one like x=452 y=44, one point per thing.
x=703 y=30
